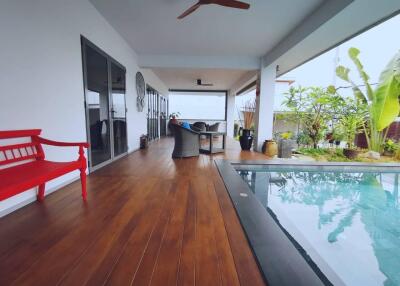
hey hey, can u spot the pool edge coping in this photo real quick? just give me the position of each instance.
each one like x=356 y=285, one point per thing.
x=279 y=261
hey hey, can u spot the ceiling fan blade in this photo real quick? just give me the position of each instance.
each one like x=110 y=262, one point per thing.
x=232 y=4
x=190 y=10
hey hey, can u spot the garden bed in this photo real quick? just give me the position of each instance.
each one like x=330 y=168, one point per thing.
x=336 y=155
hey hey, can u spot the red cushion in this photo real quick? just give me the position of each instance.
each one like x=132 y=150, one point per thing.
x=20 y=178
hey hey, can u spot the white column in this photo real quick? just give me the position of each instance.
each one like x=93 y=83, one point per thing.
x=264 y=116
x=230 y=113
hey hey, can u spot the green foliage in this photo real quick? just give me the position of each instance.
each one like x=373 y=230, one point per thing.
x=382 y=103
x=313 y=108
x=287 y=135
x=386 y=103
x=351 y=121
x=324 y=154
x=303 y=139
x=391 y=146
x=338 y=135
x=350 y=126
x=286 y=117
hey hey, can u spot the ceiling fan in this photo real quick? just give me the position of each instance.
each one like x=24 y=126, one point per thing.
x=203 y=84
x=226 y=3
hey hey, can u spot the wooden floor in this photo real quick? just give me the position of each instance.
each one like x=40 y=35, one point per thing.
x=149 y=220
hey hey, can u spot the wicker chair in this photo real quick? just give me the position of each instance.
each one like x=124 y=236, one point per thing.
x=213 y=128
x=200 y=125
x=186 y=142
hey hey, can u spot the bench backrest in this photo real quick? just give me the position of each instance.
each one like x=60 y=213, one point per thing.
x=12 y=153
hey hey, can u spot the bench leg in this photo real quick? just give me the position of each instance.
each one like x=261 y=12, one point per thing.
x=83 y=182
x=40 y=196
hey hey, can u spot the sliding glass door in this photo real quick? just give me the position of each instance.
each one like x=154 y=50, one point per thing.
x=104 y=81
x=163 y=116
x=118 y=110
x=153 y=124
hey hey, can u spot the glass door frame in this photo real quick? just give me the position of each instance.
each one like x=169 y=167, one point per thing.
x=153 y=113
x=86 y=43
x=163 y=114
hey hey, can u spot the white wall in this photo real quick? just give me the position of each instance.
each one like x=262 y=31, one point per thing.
x=151 y=79
x=41 y=74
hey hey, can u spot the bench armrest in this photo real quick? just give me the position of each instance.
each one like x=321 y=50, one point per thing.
x=61 y=144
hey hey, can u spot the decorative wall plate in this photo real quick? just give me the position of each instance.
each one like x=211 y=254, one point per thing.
x=141 y=91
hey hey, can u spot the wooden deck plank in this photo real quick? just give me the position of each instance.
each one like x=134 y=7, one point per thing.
x=167 y=265
x=144 y=272
x=187 y=266
x=62 y=256
x=207 y=262
x=149 y=220
x=139 y=243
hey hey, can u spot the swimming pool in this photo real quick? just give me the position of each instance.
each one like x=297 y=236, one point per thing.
x=345 y=224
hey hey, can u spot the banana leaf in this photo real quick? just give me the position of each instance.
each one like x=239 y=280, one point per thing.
x=353 y=54
x=386 y=105
x=392 y=68
x=343 y=73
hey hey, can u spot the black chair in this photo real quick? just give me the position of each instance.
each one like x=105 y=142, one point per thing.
x=186 y=142
x=213 y=128
x=201 y=126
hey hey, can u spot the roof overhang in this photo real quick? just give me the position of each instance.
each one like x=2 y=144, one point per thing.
x=357 y=17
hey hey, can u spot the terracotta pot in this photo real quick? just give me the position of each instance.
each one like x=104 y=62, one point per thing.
x=270 y=148
x=246 y=139
x=350 y=153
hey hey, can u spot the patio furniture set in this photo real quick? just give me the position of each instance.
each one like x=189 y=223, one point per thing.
x=188 y=140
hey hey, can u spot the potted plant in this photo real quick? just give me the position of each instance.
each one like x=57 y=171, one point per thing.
x=173 y=120
x=173 y=117
x=329 y=137
x=337 y=136
x=350 y=125
x=285 y=145
x=390 y=148
x=245 y=138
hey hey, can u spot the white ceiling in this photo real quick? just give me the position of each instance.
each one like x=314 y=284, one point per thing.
x=220 y=44
x=151 y=27
x=222 y=79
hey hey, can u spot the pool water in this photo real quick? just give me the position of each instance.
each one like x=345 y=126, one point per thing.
x=347 y=223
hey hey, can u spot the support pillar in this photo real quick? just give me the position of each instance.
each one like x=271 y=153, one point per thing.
x=230 y=113
x=264 y=117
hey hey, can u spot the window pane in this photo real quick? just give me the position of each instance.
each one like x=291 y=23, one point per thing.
x=198 y=105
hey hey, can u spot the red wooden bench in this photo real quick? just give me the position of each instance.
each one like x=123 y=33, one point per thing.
x=23 y=166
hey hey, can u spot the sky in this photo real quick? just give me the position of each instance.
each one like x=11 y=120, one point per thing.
x=377 y=47
x=198 y=105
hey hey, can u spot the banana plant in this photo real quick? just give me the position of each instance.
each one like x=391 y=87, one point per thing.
x=382 y=102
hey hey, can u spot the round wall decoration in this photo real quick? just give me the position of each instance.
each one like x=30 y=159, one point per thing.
x=141 y=91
